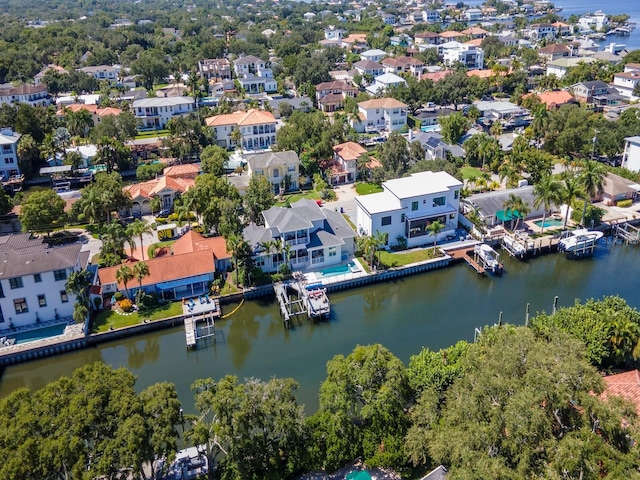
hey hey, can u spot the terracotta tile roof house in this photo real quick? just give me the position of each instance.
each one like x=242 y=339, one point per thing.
x=435 y=76
x=343 y=167
x=625 y=385
x=476 y=42
x=337 y=91
x=258 y=128
x=555 y=99
x=450 y=35
x=186 y=170
x=475 y=32
x=165 y=187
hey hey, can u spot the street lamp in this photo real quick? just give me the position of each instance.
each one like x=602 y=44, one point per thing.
x=593 y=147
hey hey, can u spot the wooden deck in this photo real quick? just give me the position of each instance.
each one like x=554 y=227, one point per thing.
x=463 y=254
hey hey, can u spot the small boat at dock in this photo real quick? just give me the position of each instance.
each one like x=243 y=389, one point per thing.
x=488 y=258
x=579 y=242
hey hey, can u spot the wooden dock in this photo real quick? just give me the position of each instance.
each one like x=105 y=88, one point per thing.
x=295 y=297
x=199 y=311
x=459 y=254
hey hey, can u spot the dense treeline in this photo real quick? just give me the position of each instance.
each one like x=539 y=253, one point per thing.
x=519 y=403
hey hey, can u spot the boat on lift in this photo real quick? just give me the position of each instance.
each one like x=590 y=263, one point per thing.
x=488 y=258
x=579 y=241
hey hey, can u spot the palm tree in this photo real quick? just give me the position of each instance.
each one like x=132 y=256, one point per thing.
x=123 y=275
x=591 y=179
x=79 y=123
x=80 y=312
x=509 y=171
x=485 y=147
x=113 y=238
x=140 y=270
x=233 y=242
x=510 y=206
x=496 y=129
x=570 y=190
x=137 y=229
x=236 y=137
x=434 y=230
x=547 y=194
x=267 y=247
x=523 y=210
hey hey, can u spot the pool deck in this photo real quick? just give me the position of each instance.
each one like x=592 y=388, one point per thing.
x=73 y=331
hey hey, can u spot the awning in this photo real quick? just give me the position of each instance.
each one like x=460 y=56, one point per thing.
x=184 y=282
x=507 y=215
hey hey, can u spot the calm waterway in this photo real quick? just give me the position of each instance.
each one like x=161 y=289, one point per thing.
x=434 y=309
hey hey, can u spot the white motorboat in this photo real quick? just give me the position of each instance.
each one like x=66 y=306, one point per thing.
x=488 y=257
x=580 y=240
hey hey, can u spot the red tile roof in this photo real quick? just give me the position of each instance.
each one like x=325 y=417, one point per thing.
x=349 y=150
x=152 y=187
x=553 y=99
x=187 y=170
x=625 y=385
x=194 y=242
x=250 y=117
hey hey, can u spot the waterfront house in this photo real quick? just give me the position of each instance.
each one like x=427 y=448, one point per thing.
x=404 y=64
x=625 y=385
x=472 y=14
x=539 y=31
x=490 y=205
x=596 y=93
x=617 y=189
x=97 y=114
x=257 y=129
x=187 y=271
x=33 y=280
x=434 y=146
x=595 y=22
x=154 y=113
x=625 y=82
x=631 y=155
x=554 y=99
x=316 y=237
x=509 y=114
x=475 y=32
x=407 y=206
x=381 y=114
x=9 y=153
x=426 y=38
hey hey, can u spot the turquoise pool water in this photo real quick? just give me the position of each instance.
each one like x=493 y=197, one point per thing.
x=38 y=333
x=550 y=222
x=338 y=270
x=430 y=128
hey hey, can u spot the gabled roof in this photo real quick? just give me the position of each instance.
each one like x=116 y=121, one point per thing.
x=22 y=89
x=250 y=117
x=366 y=65
x=22 y=255
x=555 y=98
x=426 y=34
x=554 y=48
x=451 y=34
x=474 y=31
x=167 y=268
x=335 y=85
x=162 y=102
x=349 y=151
x=248 y=60
x=184 y=170
x=592 y=84
x=382 y=103
x=271 y=159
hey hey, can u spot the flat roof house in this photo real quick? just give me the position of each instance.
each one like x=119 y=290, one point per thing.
x=407 y=207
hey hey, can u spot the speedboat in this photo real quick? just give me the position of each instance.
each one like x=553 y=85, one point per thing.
x=581 y=239
x=488 y=258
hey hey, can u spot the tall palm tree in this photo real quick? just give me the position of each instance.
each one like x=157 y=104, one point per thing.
x=510 y=206
x=79 y=123
x=140 y=270
x=547 y=194
x=267 y=247
x=233 y=242
x=113 y=238
x=434 y=230
x=570 y=190
x=123 y=275
x=137 y=229
x=523 y=210
x=485 y=147
x=591 y=179
x=509 y=171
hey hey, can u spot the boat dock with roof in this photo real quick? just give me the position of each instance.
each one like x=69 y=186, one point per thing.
x=200 y=316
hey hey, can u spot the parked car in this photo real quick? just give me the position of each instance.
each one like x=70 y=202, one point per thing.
x=165 y=212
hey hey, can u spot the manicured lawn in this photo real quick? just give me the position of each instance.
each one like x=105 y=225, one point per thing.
x=400 y=259
x=470 y=172
x=111 y=318
x=310 y=194
x=152 y=134
x=367 y=188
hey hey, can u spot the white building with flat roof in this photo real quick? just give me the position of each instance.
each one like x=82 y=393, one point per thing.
x=407 y=207
x=155 y=112
x=9 y=153
x=631 y=155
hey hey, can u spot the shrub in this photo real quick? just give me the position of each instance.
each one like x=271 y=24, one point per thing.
x=126 y=305
x=118 y=296
x=147 y=172
x=97 y=303
x=625 y=203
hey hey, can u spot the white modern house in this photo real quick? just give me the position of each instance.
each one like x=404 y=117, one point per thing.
x=595 y=22
x=36 y=96
x=407 y=206
x=470 y=56
x=103 y=72
x=315 y=237
x=155 y=113
x=374 y=55
x=257 y=129
x=384 y=82
x=9 y=153
x=248 y=65
x=625 y=82
x=33 y=278
x=631 y=155
x=381 y=114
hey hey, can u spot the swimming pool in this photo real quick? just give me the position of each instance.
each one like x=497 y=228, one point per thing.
x=550 y=222
x=350 y=267
x=430 y=128
x=39 y=333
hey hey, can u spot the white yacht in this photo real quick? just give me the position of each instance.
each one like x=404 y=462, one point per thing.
x=579 y=240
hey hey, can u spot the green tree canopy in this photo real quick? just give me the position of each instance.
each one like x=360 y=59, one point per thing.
x=42 y=211
x=214 y=160
x=259 y=197
x=453 y=126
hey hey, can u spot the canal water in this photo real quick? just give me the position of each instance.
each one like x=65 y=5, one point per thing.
x=433 y=310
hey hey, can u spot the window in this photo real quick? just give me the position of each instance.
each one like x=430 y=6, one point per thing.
x=60 y=275
x=64 y=298
x=16 y=282
x=20 y=304
x=42 y=301
x=456 y=194
x=439 y=201
x=276 y=173
x=414 y=206
x=386 y=220
x=333 y=251
x=402 y=218
x=37 y=277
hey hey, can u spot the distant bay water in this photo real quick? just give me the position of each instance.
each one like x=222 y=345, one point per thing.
x=579 y=7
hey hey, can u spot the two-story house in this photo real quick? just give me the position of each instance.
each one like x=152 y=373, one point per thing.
x=454 y=52
x=554 y=52
x=384 y=82
x=595 y=91
x=631 y=155
x=9 y=153
x=38 y=77
x=381 y=114
x=248 y=65
x=334 y=33
x=373 y=55
x=472 y=14
x=369 y=68
x=426 y=38
x=254 y=84
x=154 y=113
x=475 y=32
x=282 y=169
x=407 y=206
x=101 y=73
x=626 y=82
x=36 y=96
x=345 y=158
x=257 y=129
x=539 y=31
x=330 y=95
x=33 y=280
x=216 y=69
x=404 y=64
x=316 y=237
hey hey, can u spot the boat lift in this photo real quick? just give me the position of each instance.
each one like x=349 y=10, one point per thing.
x=518 y=245
x=488 y=258
x=628 y=233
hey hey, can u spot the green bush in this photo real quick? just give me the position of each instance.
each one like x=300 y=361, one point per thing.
x=624 y=203
x=593 y=216
x=118 y=296
x=147 y=172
